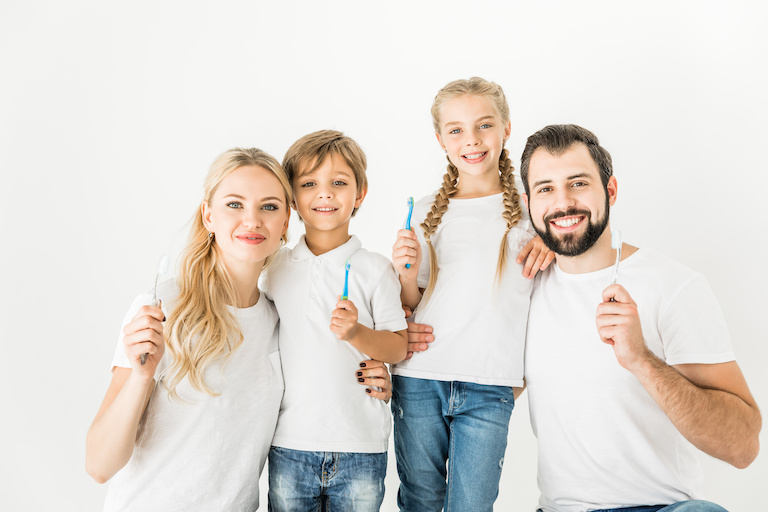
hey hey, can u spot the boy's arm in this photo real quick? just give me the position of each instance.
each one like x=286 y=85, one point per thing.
x=386 y=346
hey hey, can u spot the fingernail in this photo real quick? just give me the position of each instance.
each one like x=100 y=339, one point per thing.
x=368 y=391
x=359 y=374
x=360 y=380
x=362 y=365
x=163 y=318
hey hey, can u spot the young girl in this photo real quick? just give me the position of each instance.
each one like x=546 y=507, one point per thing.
x=198 y=439
x=453 y=402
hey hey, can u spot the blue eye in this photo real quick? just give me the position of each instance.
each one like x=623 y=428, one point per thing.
x=234 y=204
x=485 y=125
x=455 y=130
x=339 y=183
x=308 y=184
x=270 y=207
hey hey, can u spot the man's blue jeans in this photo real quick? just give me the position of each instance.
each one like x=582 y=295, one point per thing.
x=682 y=506
x=463 y=423
x=302 y=481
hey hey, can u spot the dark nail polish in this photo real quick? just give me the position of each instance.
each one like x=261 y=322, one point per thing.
x=163 y=318
x=368 y=391
x=360 y=380
x=362 y=365
x=359 y=374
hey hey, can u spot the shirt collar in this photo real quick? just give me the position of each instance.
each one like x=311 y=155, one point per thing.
x=336 y=257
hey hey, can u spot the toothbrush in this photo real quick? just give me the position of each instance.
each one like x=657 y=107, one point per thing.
x=345 y=293
x=408 y=221
x=162 y=268
x=616 y=244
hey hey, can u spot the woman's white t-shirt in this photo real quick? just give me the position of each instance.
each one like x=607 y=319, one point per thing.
x=206 y=452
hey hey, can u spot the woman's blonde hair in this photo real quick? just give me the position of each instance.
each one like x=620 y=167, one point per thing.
x=201 y=328
x=474 y=86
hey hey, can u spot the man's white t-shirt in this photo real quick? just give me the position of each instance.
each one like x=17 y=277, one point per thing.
x=324 y=407
x=603 y=441
x=206 y=452
x=478 y=320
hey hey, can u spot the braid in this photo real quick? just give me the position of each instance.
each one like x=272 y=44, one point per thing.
x=435 y=215
x=512 y=210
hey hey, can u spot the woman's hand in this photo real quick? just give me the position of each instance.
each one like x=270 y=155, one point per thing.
x=144 y=335
x=375 y=373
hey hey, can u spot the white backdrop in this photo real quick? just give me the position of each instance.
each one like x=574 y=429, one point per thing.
x=111 y=113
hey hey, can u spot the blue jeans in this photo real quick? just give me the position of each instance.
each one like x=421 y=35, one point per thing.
x=301 y=481
x=462 y=423
x=682 y=506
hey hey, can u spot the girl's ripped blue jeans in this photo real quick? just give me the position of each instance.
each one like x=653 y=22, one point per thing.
x=462 y=423
x=302 y=481
x=682 y=506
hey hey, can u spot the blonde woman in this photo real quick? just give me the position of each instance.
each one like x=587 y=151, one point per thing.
x=191 y=428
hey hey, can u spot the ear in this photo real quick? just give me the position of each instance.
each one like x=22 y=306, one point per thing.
x=613 y=190
x=360 y=197
x=205 y=212
x=440 y=141
x=507 y=130
x=525 y=200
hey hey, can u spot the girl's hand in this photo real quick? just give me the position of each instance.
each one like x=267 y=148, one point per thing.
x=536 y=255
x=406 y=250
x=144 y=335
x=375 y=373
x=344 y=320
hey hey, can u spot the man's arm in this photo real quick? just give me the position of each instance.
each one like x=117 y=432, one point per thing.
x=710 y=404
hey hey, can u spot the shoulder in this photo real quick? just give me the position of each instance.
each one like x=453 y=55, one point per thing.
x=371 y=260
x=661 y=267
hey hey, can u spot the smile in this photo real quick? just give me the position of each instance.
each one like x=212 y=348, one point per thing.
x=567 y=222
x=325 y=209
x=474 y=156
x=251 y=238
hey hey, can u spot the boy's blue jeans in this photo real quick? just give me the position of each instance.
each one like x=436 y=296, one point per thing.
x=682 y=506
x=302 y=481
x=463 y=423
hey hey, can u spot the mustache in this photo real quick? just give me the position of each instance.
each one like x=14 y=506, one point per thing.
x=567 y=213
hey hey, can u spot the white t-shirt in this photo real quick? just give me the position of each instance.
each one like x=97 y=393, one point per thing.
x=207 y=452
x=603 y=441
x=479 y=322
x=324 y=407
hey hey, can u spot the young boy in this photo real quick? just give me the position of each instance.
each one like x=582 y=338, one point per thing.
x=330 y=445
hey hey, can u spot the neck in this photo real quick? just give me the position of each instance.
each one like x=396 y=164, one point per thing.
x=471 y=186
x=320 y=242
x=245 y=278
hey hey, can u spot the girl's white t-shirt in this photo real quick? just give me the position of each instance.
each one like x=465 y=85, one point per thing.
x=479 y=321
x=205 y=452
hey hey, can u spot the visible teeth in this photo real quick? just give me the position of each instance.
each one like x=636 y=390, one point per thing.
x=566 y=223
x=325 y=209
x=473 y=157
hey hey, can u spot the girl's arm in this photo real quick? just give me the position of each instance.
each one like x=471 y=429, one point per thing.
x=407 y=251
x=112 y=435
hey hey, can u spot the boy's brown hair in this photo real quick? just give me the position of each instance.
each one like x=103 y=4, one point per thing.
x=313 y=149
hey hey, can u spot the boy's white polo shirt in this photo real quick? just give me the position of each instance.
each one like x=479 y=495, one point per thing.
x=324 y=408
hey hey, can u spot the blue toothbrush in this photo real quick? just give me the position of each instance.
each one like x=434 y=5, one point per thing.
x=345 y=293
x=408 y=221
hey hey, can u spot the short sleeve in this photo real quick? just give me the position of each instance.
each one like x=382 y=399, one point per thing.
x=693 y=328
x=386 y=308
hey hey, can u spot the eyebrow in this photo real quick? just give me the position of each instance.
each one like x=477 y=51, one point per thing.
x=451 y=123
x=573 y=177
x=238 y=196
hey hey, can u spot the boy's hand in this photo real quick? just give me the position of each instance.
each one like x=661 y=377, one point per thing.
x=406 y=250
x=344 y=320
x=536 y=255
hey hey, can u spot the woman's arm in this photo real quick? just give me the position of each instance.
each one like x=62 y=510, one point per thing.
x=112 y=435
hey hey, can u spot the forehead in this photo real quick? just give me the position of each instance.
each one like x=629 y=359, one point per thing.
x=334 y=164
x=544 y=166
x=466 y=109
x=251 y=181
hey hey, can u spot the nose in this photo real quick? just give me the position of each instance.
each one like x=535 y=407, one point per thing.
x=324 y=192
x=563 y=199
x=252 y=218
x=472 y=138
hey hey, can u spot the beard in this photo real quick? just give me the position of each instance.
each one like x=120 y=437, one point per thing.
x=572 y=244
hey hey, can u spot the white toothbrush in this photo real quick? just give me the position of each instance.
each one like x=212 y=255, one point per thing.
x=162 y=268
x=616 y=244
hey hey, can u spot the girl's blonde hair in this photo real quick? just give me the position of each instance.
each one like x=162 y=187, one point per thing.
x=201 y=328
x=475 y=86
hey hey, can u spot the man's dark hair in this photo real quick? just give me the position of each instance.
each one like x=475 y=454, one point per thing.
x=557 y=139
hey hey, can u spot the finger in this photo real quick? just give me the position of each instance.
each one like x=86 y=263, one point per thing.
x=142 y=323
x=618 y=293
x=381 y=395
x=417 y=347
x=414 y=327
x=408 y=234
x=408 y=355
x=153 y=311
x=550 y=257
x=523 y=254
x=408 y=311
